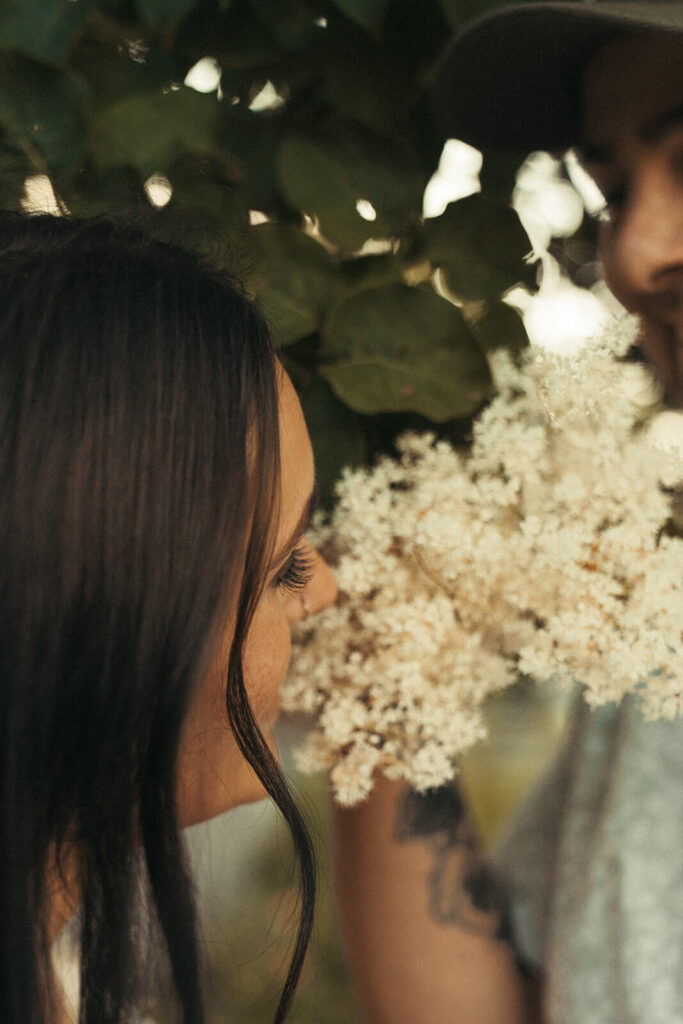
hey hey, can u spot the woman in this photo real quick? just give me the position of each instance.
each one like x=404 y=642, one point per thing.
x=156 y=481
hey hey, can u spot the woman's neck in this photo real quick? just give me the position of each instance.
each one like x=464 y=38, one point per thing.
x=63 y=891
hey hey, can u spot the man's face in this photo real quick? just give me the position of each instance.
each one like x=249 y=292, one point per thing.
x=633 y=147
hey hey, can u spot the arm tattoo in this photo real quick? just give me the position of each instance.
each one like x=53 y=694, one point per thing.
x=463 y=889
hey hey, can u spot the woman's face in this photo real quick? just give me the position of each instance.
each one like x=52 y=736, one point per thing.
x=212 y=774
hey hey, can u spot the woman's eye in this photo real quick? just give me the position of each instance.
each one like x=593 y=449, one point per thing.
x=297 y=571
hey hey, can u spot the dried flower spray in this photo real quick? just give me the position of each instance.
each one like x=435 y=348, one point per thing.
x=541 y=551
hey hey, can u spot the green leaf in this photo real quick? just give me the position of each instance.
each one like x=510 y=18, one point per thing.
x=370 y=272
x=152 y=130
x=14 y=169
x=416 y=40
x=401 y=349
x=481 y=246
x=112 y=74
x=161 y=14
x=88 y=193
x=336 y=434
x=457 y=12
x=202 y=189
x=42 y=112
x=41 y=28
x=500 y=326
x=369 y=95
x=234 y=37
x=251 y=140
x=316 y=183
x=369 y=14
x=291 y=22
x=206 y=213
x=293 y=281
x=375 y=89
x=325 y=177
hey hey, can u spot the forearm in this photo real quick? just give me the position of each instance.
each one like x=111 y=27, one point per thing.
x=423 y=923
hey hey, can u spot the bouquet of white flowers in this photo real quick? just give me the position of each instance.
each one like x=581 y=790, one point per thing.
x=542 y=551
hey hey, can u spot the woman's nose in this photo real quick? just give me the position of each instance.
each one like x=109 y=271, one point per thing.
x=319 y=593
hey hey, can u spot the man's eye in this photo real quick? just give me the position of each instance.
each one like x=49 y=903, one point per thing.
x=297 y=571
x=615 y=198
x=677 y=163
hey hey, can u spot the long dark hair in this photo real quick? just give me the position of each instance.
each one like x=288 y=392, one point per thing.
x=139 y=474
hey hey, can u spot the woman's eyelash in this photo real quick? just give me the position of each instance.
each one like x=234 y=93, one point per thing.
x=297 y=571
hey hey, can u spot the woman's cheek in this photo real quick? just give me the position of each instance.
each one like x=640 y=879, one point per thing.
x=211 y=768
x=212 y=773
x=266 y=658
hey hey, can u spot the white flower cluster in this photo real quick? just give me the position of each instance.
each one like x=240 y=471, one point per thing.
x=539 y=551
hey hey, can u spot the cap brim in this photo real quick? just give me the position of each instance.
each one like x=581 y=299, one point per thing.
x=512 y=79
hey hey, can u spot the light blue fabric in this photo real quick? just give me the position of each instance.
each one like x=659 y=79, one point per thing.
x=594 y=866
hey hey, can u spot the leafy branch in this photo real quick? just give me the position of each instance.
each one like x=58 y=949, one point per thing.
x=304 y=170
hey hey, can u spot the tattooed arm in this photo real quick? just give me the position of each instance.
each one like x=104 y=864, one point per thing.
x=422 y=916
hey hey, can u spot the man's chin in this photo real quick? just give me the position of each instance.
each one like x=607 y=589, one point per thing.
x=662 y=345
x=672 y=393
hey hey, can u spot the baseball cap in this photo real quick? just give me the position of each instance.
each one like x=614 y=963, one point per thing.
x=511 y=80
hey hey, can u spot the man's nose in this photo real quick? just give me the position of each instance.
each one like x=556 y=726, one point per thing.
x=643 y=248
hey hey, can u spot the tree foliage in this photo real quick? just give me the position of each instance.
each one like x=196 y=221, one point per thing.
x=315 y=197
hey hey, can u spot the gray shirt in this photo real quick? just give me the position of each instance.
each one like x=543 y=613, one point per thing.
x=594 y=865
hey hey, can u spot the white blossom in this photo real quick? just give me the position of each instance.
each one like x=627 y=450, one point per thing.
x=542 y=550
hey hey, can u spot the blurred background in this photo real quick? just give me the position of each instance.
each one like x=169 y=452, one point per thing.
x=291 y=141
x=247 y=892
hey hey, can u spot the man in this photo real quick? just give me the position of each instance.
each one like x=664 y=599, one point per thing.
x=605 y=77
x=593 y=866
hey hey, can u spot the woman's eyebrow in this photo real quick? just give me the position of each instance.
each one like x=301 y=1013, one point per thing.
x=305 y=520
